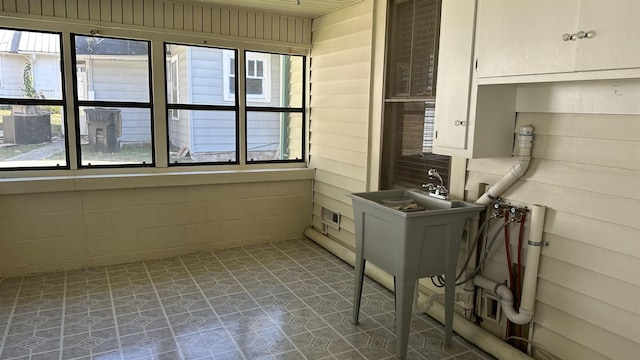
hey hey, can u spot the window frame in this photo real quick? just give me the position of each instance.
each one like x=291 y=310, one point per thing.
x=269 y=108
x=265 y=58
x=36 y=101
x=204 y=107
x=112 y=104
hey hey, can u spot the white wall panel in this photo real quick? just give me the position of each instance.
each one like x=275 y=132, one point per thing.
x=585 y=169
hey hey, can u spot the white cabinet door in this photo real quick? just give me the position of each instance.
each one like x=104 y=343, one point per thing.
x=522 y=37
x=616 y=27
x=454 y=73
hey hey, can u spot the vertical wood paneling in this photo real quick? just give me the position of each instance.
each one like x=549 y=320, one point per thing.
x=147 y=10
x=83 y=10
x=71 y=9
x=224 y=21
x=178 y=16
x=106 y=14
x=116 y=11
x=158 y=14
x=22 y=6
x=259 y=26
x=251 y=24
x=127 y=12
x=234 y=22
x=138 y=13
x=266 y=26
x=206 y=20
x=60 y=8
x=216 y=22
x=94 y=10
x=275 y=27
x=48 y=8
x=169 y=11
x=187 y=18
x=198 y=25
x=35 y=6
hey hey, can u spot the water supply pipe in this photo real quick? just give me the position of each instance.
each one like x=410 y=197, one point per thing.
x=523 y=157
x=524 y=314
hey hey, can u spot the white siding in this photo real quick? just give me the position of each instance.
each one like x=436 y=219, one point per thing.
x=341 y=62
x=585 y=170
x=172 y=15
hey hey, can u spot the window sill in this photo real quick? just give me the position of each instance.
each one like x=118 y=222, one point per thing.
x=27 y=185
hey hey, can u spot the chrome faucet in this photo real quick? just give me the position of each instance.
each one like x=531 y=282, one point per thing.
x=438 y=189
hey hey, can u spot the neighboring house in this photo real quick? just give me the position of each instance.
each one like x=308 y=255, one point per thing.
x=206 y=76
x=117 y=70
x=17 y=48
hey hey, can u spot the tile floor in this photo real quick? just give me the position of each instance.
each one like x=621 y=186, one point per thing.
x=282 y=300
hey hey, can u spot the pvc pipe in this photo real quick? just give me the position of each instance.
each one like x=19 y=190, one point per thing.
x=525 y=313
x=523 y=157
x=468 y=330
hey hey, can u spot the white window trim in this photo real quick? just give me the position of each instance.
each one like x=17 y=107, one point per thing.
x=266 y=79
x=174 y=62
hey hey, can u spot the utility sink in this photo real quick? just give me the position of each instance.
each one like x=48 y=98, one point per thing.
x=410 y=235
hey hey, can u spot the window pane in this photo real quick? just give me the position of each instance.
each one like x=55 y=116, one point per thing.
x=33 y=136
x=118 y=70
x=115 y=136
x=279 y=77
x=203 y=136
x=254 y=87
x=30 y=65
x=204 y=75
x=274 y=136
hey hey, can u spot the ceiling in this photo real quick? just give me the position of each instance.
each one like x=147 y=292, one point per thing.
x=307 y=8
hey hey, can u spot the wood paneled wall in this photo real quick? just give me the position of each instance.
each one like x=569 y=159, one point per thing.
x=171 y=15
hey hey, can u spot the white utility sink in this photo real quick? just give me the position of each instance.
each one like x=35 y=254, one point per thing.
x=410 y=235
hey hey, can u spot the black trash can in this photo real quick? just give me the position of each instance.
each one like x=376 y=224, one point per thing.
x=105 y=128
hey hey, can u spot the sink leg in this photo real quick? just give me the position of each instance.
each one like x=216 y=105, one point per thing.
x=449 y=295
x=404 y=308
x=357 y=292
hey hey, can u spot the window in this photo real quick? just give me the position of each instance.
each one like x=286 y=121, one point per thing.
x=409 y=96
x=118 y=112
x=275 y=130
x=32 y=108
x=109 y=122
x=208 y=128
x=257 y=85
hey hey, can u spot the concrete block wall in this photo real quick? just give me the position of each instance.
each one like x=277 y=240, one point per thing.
x=73 y=229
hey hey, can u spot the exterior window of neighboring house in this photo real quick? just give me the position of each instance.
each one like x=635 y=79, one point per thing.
x=410 y=95
x=257 y=80
x=172 y=87
x=32 y=102
x=118 y=114
x=274 y=123
x=210 y=136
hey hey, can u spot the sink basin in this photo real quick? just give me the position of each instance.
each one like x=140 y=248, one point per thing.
x=410 y=235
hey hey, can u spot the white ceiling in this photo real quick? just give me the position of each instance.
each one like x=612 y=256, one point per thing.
x=307 y=8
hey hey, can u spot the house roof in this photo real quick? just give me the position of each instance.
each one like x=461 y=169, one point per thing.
x=15 y=41
x=27 y=42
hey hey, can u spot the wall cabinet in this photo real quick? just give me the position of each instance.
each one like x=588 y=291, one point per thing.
x=488 y=47
x=523 y=37
x=470 y=121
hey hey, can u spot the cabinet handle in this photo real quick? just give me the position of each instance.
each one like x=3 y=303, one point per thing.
x=578 y=35
x=459 y=123
x=585 y=34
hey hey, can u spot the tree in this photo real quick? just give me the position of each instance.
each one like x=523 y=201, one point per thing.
x=27 y=80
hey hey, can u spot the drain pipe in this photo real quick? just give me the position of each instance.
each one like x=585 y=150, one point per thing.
x=523 y=156
x=525 y=313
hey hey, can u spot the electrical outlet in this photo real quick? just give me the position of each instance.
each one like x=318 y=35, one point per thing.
x=331 y=218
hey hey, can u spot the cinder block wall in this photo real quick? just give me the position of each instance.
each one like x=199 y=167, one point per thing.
x=74 y=229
